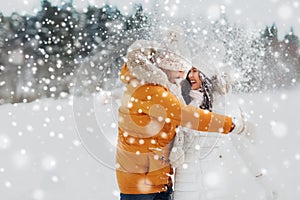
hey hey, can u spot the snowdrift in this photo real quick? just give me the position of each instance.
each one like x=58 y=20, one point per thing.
x=45 y=154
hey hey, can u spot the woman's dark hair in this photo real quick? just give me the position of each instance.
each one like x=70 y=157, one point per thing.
x=206 y=89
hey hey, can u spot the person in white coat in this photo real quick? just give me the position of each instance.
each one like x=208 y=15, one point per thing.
x=201 y=172
x=193 y=152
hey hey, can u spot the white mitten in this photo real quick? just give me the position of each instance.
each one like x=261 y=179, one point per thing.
x=239 y=127
x=243 y=127
x=176 y=156
x=196 y=97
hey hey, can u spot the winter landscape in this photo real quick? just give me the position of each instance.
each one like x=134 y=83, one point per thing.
x=42 y=156
x=59 y=92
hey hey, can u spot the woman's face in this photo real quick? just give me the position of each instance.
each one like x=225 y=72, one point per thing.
x=194 y=78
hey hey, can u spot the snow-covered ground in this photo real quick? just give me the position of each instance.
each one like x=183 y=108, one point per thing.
x=52 y=149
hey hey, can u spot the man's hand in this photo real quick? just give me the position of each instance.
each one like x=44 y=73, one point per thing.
x=242 y=127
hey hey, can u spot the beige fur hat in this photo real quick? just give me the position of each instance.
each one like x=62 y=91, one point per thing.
x=170 y=54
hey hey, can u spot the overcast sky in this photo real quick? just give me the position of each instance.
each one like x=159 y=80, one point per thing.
x=250 y=13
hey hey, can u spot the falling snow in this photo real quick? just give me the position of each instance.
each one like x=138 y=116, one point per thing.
x=59 y=94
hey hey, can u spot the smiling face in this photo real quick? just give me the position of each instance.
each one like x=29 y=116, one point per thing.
x=174 y=76
x=194 y=78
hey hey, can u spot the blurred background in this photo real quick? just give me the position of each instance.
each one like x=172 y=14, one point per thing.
x=43 y=43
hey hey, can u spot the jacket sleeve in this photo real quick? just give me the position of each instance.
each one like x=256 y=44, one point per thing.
x=202 y=120
x=164 y=106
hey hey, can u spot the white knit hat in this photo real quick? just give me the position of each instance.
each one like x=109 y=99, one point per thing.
x=141 y=45
x=175 y=55
x=142 y=52
x=170 y=53
x=172 y=61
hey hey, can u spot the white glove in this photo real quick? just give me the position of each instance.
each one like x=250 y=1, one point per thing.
x=196 y=97
x=243 y=127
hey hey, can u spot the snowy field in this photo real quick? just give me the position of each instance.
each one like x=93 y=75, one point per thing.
x=42 y=156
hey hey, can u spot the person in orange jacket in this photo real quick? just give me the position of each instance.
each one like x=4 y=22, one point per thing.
x=151 y=112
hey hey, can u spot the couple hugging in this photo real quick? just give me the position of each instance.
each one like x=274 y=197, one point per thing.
x=166 y=122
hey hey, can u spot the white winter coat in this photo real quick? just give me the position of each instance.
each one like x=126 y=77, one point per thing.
x=201 y=175
x=210 y=168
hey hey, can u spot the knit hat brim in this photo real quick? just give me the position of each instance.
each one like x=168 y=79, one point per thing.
x=151 y=51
